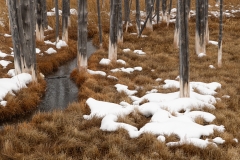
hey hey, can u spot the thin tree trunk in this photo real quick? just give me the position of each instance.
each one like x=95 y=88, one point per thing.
x=126 y=13
x=99 y=24
x=82 y=35
x=57 y=21
x=22 y=18
x=65 y=15
x=176 y=31
x=112 y=49
x=138 y=24
x=200 y=43
x=164 y=9
x=158 y=10
x=45 y=20
x=120 y=23
x=206 y=22
x=220 y=35
x=149 y=6
x=169 y=12
x=40 y=21
x=184 y=49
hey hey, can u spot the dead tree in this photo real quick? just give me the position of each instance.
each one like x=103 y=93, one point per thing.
x=126 y=13
x=206 y=22
x=184 y=49
x=82 y=35
x=65 y=15
x=99 y=24
x=112 y=49
x=57 y=21
x=149 y=7
x=169 y=12
x=164 y=9
x=157 y=10
x=138 y=24
x=200 y=40
x=23 y=21
x=40 y=21
x=220 y=35
x=120 y=24
x=45 y=20
x=176 y=31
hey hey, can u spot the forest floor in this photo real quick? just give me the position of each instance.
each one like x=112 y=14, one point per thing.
x=67 y=135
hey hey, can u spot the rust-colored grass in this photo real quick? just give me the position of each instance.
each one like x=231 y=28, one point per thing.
x=66 y=135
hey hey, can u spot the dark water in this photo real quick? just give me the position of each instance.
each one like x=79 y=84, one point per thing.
x=61 y=90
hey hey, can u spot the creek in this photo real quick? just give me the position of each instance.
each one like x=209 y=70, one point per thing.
x=61 y=90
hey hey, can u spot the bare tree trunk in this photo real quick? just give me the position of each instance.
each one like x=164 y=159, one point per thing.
x=57 y=21
x=112 y=49
x=169 y=12
x=184 y=49
x=200 y=43
x=157 y=10
x=22 y=18
x=65 y=15
x=164 y=9
x=176 y=31
x=149 y=6
x=45 y=20
x=138 y=24
x=126 y=13
x=40 y=21
x=220 y=35
x=120 y=23
x=99 y=24
x=206 y=22
x=82 y=35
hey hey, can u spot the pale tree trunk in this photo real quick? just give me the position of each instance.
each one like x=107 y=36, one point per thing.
x=164 y=8
x=69 y=14
x=169 y=12
x=200 y=40
x=82 y=35
x=176 y=31
x=57 y=21
x=220 y=35
x=126 y=13
x=120 y=23
x=184 y=49
x=22 y=18
x=138 y=24
x=157 y=10
x=112 y=49
x=99 y=24
x=149 y=7
x=40 y=21
x=65 y=15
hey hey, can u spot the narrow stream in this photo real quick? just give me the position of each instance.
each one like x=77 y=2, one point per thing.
x=61 y=90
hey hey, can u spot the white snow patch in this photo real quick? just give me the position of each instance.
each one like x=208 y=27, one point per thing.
x=200 y=55
x=126 y=50
x=96 y=72
x=3 y=103
x=121 y=61
x=211 y=66
x=140 y=52
x=213 y=42
x=5 y=63
x=124 y=88
x=51 y=51
x=105 y=61
x=61 y=44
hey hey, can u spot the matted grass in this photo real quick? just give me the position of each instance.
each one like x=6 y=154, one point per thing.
x=66 y=135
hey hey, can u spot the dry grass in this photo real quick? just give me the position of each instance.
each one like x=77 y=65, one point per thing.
x=66 y=135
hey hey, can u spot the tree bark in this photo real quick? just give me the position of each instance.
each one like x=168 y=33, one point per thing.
x=126 y=13
x=157 y=10
x=149 y=6
x=40 y=21
x=138 y=24
x=45 y=20
x=169 y=12
x=120 y=22
x=200 y=40
x=82 y=35
x=206 y=22
x=184 y=49
x=112 y=49
x=22 y=18
x=65 y=15
x=164 y=8
x=176 y=31
x=220 y=35
x=57 y=21
x=99 y=24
